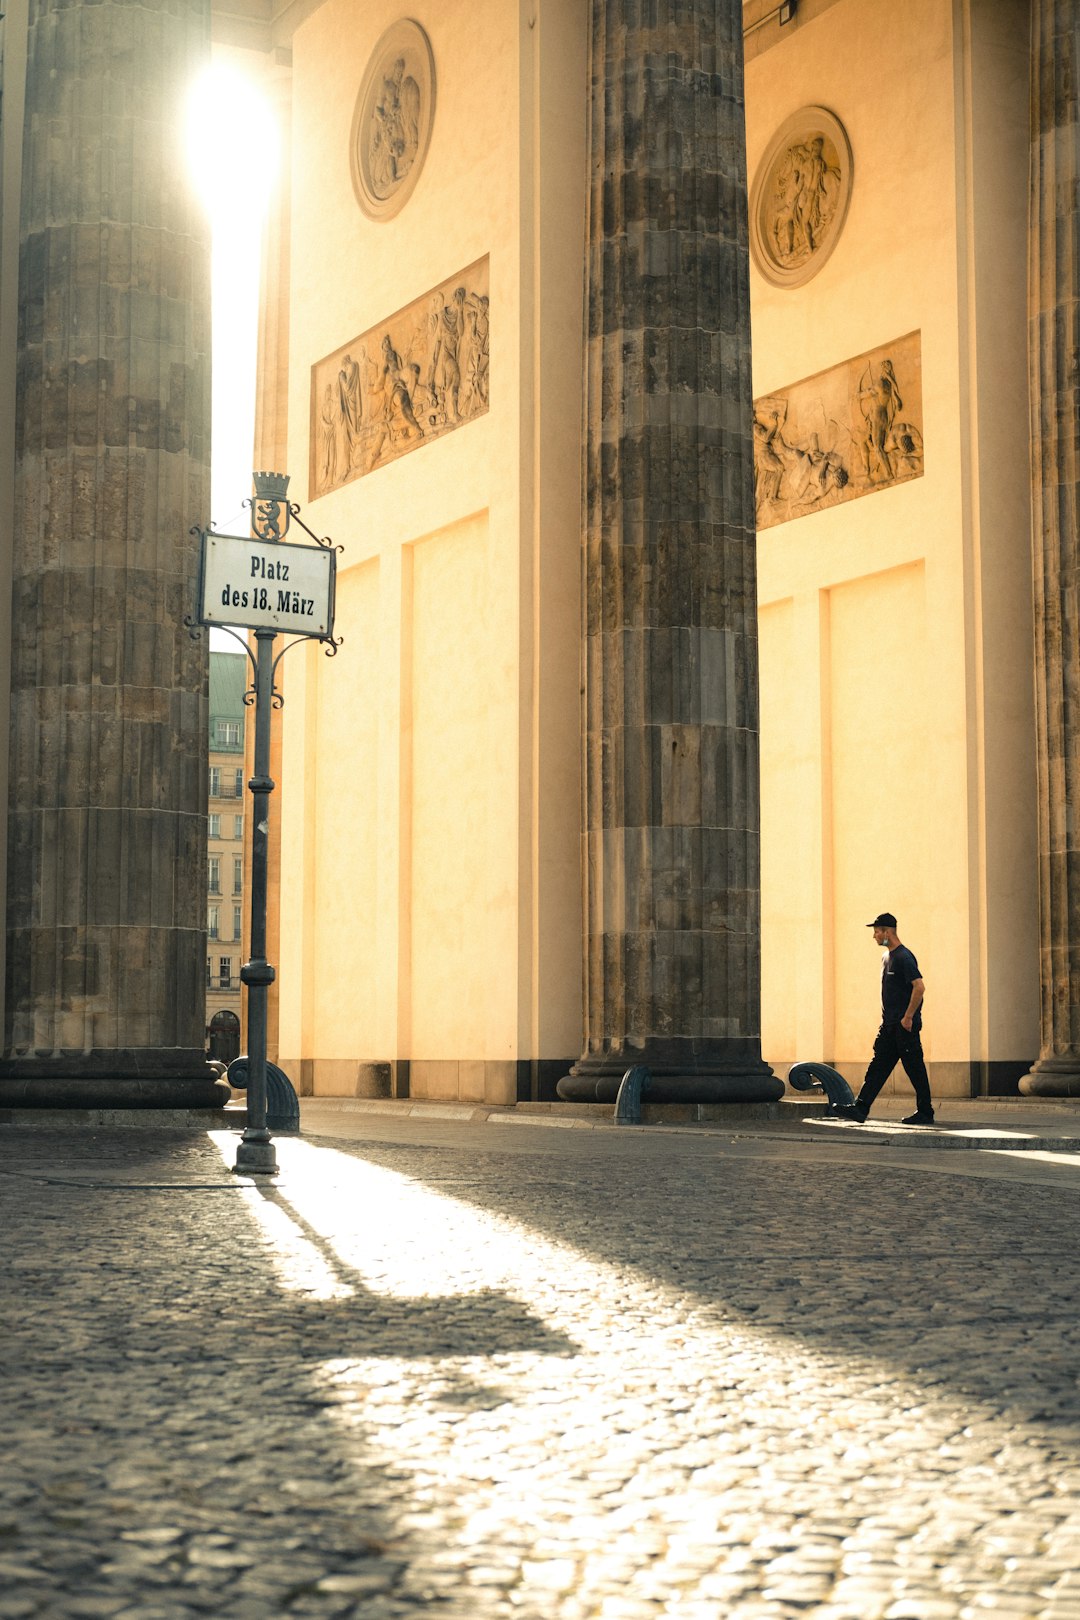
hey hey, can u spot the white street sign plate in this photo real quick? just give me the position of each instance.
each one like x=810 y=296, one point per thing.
x=267 y=585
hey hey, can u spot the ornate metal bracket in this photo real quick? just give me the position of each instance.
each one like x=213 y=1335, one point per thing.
x=282 y=1104
x=272 y=513
x=631 y=1089
x=819 y=1077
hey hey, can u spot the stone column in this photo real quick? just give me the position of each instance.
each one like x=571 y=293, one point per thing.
x=672 y=950
x=1054 y=371
x=106 y=851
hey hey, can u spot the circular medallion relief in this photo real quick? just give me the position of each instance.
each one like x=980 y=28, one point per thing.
x=800 y=197
x=392 y=120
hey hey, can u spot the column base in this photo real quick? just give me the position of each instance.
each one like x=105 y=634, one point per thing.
x=127 y=1079
x=673 y=1078
x=1053 y=1077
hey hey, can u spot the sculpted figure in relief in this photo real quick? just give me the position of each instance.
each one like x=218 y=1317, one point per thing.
x=349 y=403
x=328 y=433
x=769 y=464
x=806 y=190
x=798 y=473
x=447 y=363
x=394 y=132
x=480 y=352
x=908 y=444
x=879 y=401
x=399 y=384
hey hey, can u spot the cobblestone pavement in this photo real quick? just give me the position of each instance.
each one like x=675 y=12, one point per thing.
x=536 y=1373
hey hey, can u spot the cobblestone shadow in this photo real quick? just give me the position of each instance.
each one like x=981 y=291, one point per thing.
x=172 y=1443
x=968 y=1285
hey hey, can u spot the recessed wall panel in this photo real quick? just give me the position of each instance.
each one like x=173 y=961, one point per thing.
x=886 y=802
x=457 y=778
x=345 y=829
x=779 y=808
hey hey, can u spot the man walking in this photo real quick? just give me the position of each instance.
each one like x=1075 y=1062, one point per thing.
x=899 y=1038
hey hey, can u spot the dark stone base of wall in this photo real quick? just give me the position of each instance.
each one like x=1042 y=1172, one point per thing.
x=74 y=1090
x=538 y=1079
x=152 y=1120
x=998 y=1078
x=128 y=1062
x=431 y=1079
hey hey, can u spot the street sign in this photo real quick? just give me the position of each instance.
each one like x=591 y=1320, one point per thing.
x=267 y=585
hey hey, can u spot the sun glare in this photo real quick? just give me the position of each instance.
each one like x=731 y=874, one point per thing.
x=233 y=145
x=233 y=153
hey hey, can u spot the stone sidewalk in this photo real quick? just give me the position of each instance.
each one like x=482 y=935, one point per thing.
x=1012 y=1123
x=556 y=1374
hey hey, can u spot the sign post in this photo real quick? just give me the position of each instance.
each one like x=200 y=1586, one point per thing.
x=265 y=585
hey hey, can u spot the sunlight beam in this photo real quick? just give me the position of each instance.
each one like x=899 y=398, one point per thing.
x=233 y=147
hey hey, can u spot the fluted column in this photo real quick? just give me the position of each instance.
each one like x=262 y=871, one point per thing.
x=672 y=950
x=1054 y=344
x=106 y=889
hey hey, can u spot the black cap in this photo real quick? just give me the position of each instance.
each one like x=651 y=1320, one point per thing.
x=884 y=919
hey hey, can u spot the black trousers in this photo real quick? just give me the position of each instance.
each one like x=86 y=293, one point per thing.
x=894 y=1045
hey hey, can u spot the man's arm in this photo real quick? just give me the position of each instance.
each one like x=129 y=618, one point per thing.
x=918 y=990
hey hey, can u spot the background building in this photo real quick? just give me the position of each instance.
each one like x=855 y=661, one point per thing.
x=229 y=678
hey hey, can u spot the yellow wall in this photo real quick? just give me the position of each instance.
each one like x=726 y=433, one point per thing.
x=887 y=718
x=430 y=888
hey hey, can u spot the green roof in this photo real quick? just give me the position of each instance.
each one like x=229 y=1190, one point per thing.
x=229 y=678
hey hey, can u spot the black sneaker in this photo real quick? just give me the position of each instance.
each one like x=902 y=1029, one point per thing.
x=853 y=1111
x=919 y=1119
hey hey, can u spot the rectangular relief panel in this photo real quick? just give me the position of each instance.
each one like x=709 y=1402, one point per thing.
x=846 y=432
x=410 y=379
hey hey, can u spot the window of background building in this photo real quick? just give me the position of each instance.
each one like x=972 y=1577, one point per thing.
x=215 y=781
x=214 y=829
x=213 y=874
x=226 y=972
x=208 y=972
x=228 y=733
x=236 y=925
x=238 y=826
x=237 y=874
x=239 y=784
x=212 y=921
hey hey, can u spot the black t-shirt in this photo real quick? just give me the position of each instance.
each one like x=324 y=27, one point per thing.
x=899 y=970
